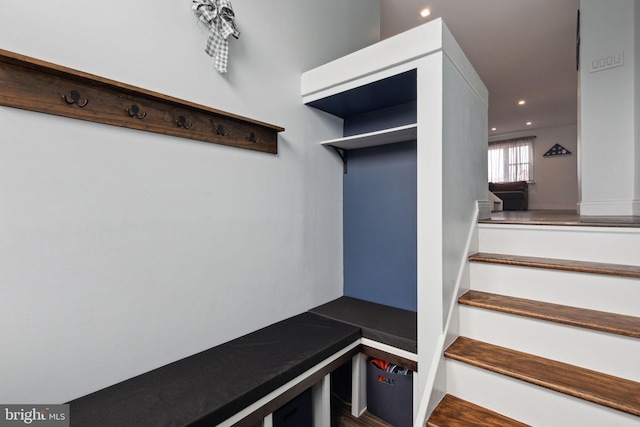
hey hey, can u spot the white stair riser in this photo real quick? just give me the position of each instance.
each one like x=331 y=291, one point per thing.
x=599 y=351
x=595 y=244
x=529 y=403
x=594 y=291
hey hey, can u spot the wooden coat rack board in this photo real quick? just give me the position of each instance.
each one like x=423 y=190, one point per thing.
x=35 y=85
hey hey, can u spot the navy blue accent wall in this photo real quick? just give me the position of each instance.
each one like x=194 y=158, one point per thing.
x=387 y=118
x=380 y=225
x=394 y=90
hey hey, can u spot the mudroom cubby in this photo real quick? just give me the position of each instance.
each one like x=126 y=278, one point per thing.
x=379 y=188
x=414 y=141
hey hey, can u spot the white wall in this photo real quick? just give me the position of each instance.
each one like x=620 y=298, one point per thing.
x=607 y=98
x=556 y=178
x=121 y=250
x=452 y=176
x=636 y=36
x=465 y=123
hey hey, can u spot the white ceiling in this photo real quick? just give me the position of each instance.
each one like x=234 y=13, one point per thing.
x=522 y=49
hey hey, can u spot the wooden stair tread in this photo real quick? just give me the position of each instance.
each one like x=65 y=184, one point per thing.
x=606 y=390
x=455 y=412
x=559 y=264
x=581 y=317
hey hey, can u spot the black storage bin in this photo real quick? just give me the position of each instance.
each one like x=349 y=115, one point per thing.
x=296 y=413
x=390 y=396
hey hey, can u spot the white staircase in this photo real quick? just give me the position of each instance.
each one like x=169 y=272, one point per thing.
x=595 y=271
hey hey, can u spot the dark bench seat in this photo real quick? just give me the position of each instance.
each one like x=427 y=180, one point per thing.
x=209 y=387
x=389 y=325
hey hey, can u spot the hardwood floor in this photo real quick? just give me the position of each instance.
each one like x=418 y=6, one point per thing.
x=560 y=217
x=341 y=416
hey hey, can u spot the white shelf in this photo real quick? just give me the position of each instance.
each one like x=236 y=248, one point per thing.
x=372 y=139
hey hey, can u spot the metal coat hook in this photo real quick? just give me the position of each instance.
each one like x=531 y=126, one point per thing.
x=74 y=97
x=134 y=111
x=220 y=130
x=182 y=122
x=252 y=137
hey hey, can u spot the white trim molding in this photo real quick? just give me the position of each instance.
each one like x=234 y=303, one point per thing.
x=609 y=208
x=484 y=209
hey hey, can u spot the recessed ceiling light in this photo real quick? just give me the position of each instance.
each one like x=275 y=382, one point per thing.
x=425 y=12
x=528 y=123
x=494 y=129
x=521 y=102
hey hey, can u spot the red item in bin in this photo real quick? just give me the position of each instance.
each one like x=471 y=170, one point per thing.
x=380 y=364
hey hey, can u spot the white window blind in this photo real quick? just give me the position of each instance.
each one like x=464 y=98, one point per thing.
x=511 y=160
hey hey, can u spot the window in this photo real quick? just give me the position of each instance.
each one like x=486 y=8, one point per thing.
x=511 y=160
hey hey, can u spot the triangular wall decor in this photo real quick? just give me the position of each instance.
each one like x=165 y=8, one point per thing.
x=556 y=150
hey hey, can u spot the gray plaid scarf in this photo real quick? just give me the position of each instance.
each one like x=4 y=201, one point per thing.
x=219 y=17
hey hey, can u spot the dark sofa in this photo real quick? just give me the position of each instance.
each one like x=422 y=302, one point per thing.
x=514 y=195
